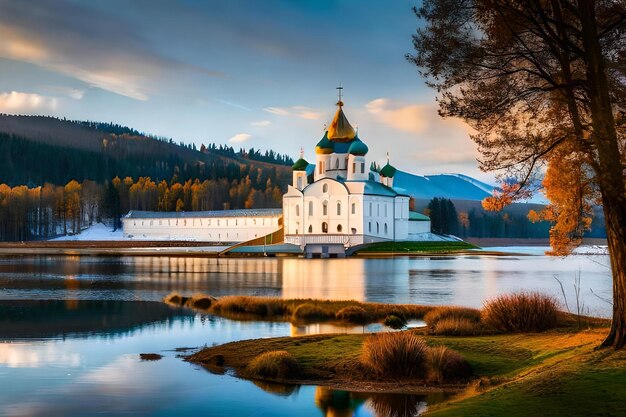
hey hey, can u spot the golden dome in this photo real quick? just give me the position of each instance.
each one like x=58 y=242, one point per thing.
x=340 y=129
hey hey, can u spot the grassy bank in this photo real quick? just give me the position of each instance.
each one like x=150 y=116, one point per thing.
x=558 y=372
x=301 y=310
x=416 y=247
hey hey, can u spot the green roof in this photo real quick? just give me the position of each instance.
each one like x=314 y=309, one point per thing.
x=300 y=165
x=388 y=171
x=358 y=148
x=414 y=216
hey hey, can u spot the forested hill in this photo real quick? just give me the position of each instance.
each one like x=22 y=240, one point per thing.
x=37 y=149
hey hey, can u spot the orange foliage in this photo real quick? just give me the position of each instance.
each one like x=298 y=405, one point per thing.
x=568 y=186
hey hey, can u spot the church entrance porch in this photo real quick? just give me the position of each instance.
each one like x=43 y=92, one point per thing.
x=324 y=250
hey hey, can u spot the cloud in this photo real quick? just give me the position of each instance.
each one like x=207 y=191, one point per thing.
x=261 y=123
x=18 y=102
x=231 y=104
x=408 y=118
x=75 y=93
x=240 y=137
x=95 y=48
x=301 y=112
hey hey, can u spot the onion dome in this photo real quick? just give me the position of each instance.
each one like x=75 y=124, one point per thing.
x=358 y=148
x=340 y=129
x=388 y=171
x=300 y=165
x=324 y=146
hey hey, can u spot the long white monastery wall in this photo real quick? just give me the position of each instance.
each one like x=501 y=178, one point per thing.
x=227 y=226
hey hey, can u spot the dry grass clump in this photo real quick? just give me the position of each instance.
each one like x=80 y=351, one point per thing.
x=175 y=299
x=446 y=365
x=394 y=322
x=354 y=314
x=406 y=355
x=274 y=364
x=311 y=312
x=259 y=306
x=395 y=355
x=441 y=313
x=200 y=301
x=457 y=326
x=522 y=312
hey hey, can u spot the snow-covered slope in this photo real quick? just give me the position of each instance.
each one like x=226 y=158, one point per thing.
x=452 y=186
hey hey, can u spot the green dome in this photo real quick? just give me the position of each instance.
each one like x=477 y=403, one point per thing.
x=325 y=146
x=388 y=171
x=358 y=148
x=300 y=165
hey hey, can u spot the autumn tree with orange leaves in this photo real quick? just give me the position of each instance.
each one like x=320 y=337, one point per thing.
x=542 y=83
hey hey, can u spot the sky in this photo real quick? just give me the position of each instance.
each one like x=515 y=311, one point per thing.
x=259 y=74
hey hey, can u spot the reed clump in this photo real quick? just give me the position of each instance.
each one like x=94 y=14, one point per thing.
x=522 y=312
x=200 y=301
x=445 y=365
x=441 y=313
x=457 y=326
x=394 y=322
x=395 y=355
x=274 y=364
x=258 y=306
x=310 y=312
x=354 y=314
x=405 y=355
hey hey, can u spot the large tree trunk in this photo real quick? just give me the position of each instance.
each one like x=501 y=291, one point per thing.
x=610 y=171
x=615 y=215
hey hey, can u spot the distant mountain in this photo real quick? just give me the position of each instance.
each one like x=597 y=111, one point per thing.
x=38 y=149
x=451 y=186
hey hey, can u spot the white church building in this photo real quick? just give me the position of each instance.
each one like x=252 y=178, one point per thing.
x=345 y=202
x=339 y=202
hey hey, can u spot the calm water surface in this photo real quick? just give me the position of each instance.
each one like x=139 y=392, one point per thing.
x=77 y=353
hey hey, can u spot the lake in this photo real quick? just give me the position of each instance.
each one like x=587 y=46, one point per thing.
x=72 y=328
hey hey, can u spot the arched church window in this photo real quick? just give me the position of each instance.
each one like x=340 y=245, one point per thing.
x=310 y=208
x=386 y=230
x=339 y=228
x=297 y=210
x=324 y=227
x=325 y=188
x=337 y=164
x=325 y=208
x=310 y=228
x=353 y=167
x=299 y=181
x=353 y=208
x=369 y=227
x=377 y=228
x=338 y=208
x=362 y=167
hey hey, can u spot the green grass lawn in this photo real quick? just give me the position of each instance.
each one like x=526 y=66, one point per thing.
x=417 y=247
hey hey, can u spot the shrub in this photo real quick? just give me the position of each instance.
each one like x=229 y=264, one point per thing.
x=353 y=314
x=175 y=298
x=274 y=364
x=435 y=315
x=394 y=322
x=456 y=326
x=446 y=365
x=308 y=311
x=521 y=312
x=395 y=355
x=201 y=301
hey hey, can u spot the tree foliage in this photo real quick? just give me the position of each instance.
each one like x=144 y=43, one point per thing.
x=542 y=82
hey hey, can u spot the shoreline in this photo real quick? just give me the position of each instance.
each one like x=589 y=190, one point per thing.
x=191 y=249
